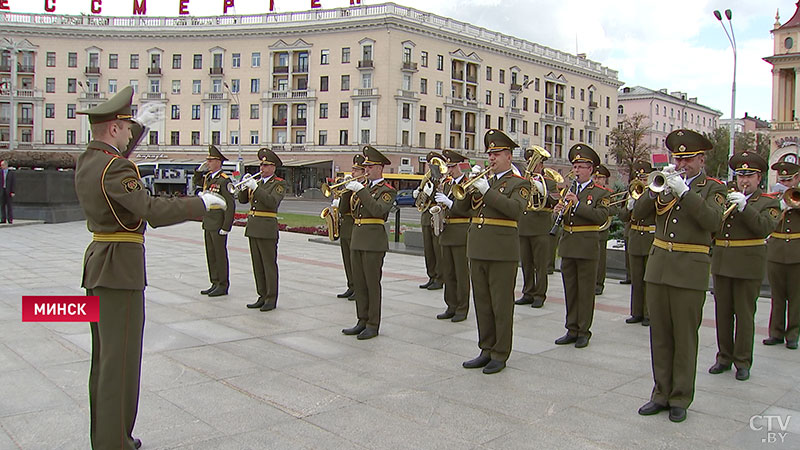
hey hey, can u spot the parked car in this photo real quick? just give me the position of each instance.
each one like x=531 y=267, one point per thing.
x=404 y=198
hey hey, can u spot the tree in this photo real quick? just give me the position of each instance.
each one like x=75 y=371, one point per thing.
x=717 y=158
x=628 y=143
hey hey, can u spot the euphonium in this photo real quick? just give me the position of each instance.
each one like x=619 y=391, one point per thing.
x=538 y=197
x=460 y=190
x=328 y=190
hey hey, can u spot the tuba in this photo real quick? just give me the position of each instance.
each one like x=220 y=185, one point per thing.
x=538 y=198
x=437 y=168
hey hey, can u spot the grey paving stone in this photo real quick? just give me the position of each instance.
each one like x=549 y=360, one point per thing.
x=48 y=429
x=27 y=390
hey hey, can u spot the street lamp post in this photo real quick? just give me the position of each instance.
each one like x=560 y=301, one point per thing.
x=235 y=97
x=13 y=48
x=732 y=40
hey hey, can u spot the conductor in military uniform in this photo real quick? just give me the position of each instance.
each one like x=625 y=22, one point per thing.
x=453 y=263
x=742 y=237
x=369 y=244
x=344 y=204
x=601 y=177
x=117 y=208
x=493 y=251
x=688 y=211
x=783 y=263
x=217 y=223
x=585 y=210
x=264 y=196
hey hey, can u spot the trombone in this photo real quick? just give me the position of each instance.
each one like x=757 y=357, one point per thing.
x=327 y=190
x=460 y=190
x=635 y=190
x=234 y=188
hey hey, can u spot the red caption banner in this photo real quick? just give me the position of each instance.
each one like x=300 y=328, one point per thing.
x=54 y=308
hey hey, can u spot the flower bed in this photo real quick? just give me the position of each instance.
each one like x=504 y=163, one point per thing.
x=240 y=220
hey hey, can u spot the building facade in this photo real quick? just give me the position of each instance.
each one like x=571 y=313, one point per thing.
x=311 y=85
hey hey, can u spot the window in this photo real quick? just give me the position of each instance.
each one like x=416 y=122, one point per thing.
x=135 y=85
x=621 y=110
x=195 y=112
x=113 y=61
x=71 y=137
x=153 y=137
x=439 y=88
x=406 y=54
x=323 y=83
x=197 y=61
x=253 y=137
x=50 y=85
x=236 y=62
x=215 y=109
x=51 y=59
x=438 y=115
x=365 y=109
x=535 y=128
x=582 y=96
x=572 y=134
x=488 y=122
x=423 y=86
x=572 y=92
x=196 y=86
x=366 y=80
x=176 y=61
x=580 y=135
x=345 y=55
x=525 y=103
x=502 y=76
x=423 y=56
x=513 y=125
x=72 y=59
x=176 y=86
x=488 y=73
x=422 y=139
x=175 y=112
x=255 y=85
x=134 y=61
x=406 y=82
x=235 y=86
x=234 y=112
x=344 y=110
x=608 y=103
x=323 y=110
x=366 y=53
x=439 y=62
x=423 y=113
x=324 y=57
x=536 y=84
x=488 y=97
x=499 y=123
x=49 y=136
x=365 y=136
x=174 y=138
x=155 y=85
x=437 y=141
x=345 y=82
x=70 y=110
x=72 y=85
x=254 y=111
x=582 y=115
x=215 y=137
x=50 y=110
x=343 y=137
x=195 y=138
x=501 y=99
x=536 y=106
x=323 y=137
x=524 y=127
x=607 y=121
x=406 y=138
x=572 y=112
x=406 y=110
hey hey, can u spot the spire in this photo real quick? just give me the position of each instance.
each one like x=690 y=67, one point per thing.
x=777 y=19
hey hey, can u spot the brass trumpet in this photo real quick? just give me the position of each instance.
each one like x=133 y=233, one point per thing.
x=460 y=190
x=234 y=188
x=327 y=190
x=657 y=181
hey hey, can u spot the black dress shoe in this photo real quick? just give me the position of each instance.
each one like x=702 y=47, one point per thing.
x=476 y=363
x=494 y=366
x=367 y=333
x=436 y=285
x=624 y=281
x=459 y=318
x=137 y=443
x=551 y=271
x=349 y=292
x=566 y=339
x=446 y=315
x=582 y=342
x=355 y=330
x=791 y=345
x=742 y=374
x=598 y=290
x=218 y=291
x=634 y=319
x=677 y=414
x=650 y=408
x=537 y=303
x=719 y=368
x=646 y=322
x=267 y=307
x=425 y=286
x=206 y=291
x=258 y=304
x=523 y=301
x=772 y=341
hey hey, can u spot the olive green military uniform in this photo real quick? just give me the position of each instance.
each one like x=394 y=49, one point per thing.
x=345 y=235
x=602 y=245
x=640 y=239
x=215 y=220
x=535 y=248
x=117 y=208
x=262 y=232
x=738 y=263
x=431 y=248
x=454 y=262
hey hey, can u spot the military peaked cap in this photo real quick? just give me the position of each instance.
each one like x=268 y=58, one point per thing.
x=603 y=171
x=214 y=153
x=687 y=143
x=372 y=157
x=583 y=153
x=267 y=156
x=117 y=107
x=453 y=157
x=496 y=140
x=358 y=161
x=748 y=163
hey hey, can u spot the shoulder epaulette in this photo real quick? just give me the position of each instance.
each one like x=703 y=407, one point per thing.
x=714 y=179
x=386 y=183
x=279 y=179
x=771 y=194
x=518 y=176
x=223 y=175
x=603 y=188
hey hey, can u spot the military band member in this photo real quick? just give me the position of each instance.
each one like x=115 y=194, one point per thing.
x=265 y=196
x=640 y=239
x=737 y=285
x=783 y=263
x=493 y=251
x=430 y=242
x=584 y=213
x=117 y=205
x=601 y=177
x=534 y=243
x=371 y=205
x=677 y=270
x=346 y=228
x=453 y=240
x=217 y=223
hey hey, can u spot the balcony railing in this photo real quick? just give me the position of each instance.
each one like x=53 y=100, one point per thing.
x=280 y=69
x=216 y=96
x=410 y=66
x=470 y=128
x=25 y=68
x=365 y=92
x=455 y=127
x=406 y=94
x=592 y=104
x=458 y=75
x=472 y=78
x=288 y=95
x=5 y=120
x=365 y=64
x=298 y=122
x=92 y=95
x=215 y=71
x=5 y=68
x=153 y=96
x=300 y=69
x=516 y=87
x=785 y=126
x=92 y=70
x=25 y=121
x=154 y=70
x=26 y=93
x=279 y=122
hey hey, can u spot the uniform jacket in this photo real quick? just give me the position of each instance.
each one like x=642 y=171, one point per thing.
x=756 y=221
x=113 y=198
x=505 y=199
x=373 y=202
x=612 y=211
x=782 y=250
x=639 y=241
x=455 y=234
x=217 y=219
x=265 y=198
x=345 y=215
x=592 y=210
x=692 y=220
x=537 y=223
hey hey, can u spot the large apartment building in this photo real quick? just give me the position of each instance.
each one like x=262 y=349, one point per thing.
x=311 y=85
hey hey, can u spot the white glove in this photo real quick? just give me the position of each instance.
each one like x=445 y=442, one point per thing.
x=476 y=169
x=335 y=203
x=354 y=186
x=428 y=189
x=443 y=199
x=415 y=193
x=783 y=205
x=630 y=203
x=211 y=199
x=481 y=184
x=739 y=199
x=538 y=185
x=251 y=184
x=149 y=114
x=202 y=167
x=223 y=232
x=669 y=168
x=677 y=185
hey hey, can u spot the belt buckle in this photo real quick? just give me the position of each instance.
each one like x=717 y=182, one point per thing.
x=727 y=243
x=481 y=220
x=669 y=246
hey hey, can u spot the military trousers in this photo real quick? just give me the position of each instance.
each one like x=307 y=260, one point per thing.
x=735 y=301
x=675 y=317
x=344 y=243
x=116 y=366
x=578 y=276
x=638 y=264
x=217 y=257
x=535 y=254
x=433 y=253
x=367 y=274
x=551 y=265
x=493 y=284
x=264 y=254
x=784 y=319
x=455 y=270
x=627 y=260
x=600 y=282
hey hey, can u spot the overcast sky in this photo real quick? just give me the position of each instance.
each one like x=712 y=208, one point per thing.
x=673 y=44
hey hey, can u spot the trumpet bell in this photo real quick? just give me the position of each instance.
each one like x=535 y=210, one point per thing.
x=792 y=198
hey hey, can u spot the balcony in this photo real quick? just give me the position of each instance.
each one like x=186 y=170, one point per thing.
x=786 y=126
x=300 y=69
x=5 y=68
x=154 y=96
x=154 y=70
x=215 y=70
x=513 y=110
x=455 y=127
x=91 y=70
x=299 y=122
x=365 y=64
x=25 y=68
x=216 y=96
x=296 y=94
x=92 y=95
x=470 y=128
x=25 y=121
x=516 y=87
x=592 y=105
x=365 y=92
x=280 y=69
x=406 y=94
x=410 y=66
x=458 y=75
x=280 y=122
x=27 y=93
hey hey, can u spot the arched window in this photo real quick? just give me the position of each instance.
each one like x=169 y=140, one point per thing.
x=620 y=110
